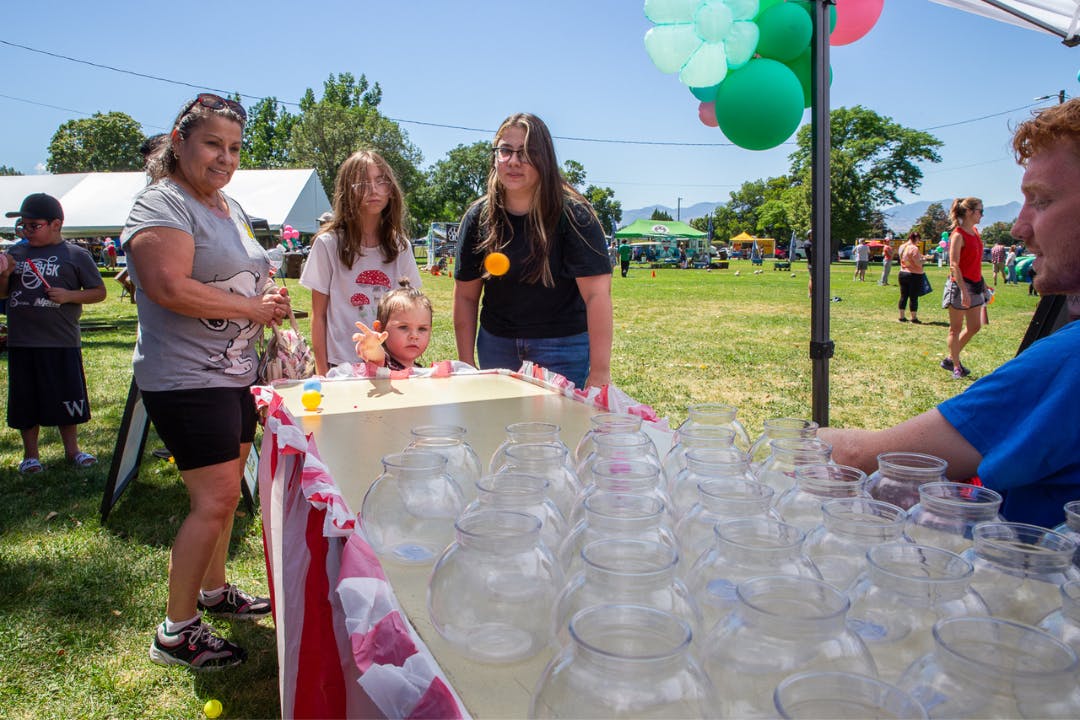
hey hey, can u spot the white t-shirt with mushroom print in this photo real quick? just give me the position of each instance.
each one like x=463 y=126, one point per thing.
x=353 y=293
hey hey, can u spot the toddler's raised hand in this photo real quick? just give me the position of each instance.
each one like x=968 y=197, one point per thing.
x=369 y=343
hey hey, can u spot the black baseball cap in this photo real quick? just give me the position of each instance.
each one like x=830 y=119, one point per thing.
x=39 y=206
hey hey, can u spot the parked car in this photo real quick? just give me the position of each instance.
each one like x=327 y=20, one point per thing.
x=844 y=253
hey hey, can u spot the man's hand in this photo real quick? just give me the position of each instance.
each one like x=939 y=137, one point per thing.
x=369 y=343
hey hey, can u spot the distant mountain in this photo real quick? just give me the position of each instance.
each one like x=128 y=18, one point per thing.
x=899 y=217
x=686 y=214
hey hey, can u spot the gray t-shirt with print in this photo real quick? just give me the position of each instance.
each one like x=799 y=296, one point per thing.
x=33 y=319
x=178 y=352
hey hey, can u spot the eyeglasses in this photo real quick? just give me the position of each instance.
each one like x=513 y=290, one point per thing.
x=211 y=101
x=33 y=227
x=503 y=153
x=383 y=183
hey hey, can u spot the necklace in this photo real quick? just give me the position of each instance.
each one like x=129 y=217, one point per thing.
x=214 y=202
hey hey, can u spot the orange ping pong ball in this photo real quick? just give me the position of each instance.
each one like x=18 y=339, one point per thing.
x=497 y=263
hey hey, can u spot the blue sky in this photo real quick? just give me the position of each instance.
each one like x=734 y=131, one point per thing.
x=579 y=64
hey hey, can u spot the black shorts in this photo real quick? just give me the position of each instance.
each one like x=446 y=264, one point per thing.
x=46 y=386
x=205 y=426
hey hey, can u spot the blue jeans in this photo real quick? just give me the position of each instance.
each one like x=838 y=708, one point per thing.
x=568 y=356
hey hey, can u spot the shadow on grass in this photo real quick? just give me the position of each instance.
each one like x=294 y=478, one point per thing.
x=155 y=504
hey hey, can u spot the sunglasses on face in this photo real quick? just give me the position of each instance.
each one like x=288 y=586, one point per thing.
x=211 y=101
x=29 y=228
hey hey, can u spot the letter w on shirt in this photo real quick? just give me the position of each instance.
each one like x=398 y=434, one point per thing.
x=75 y=407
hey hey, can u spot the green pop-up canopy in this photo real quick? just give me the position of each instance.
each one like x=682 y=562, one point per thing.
x=656 y=229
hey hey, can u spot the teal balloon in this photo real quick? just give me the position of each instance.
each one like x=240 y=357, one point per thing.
x=705 y=94
x=760 y=105
x=741 y=43
x=670 y=46
x=670 y=11
x=712 y=21
x=785 y=32
x=809 y=8
x=801 y=67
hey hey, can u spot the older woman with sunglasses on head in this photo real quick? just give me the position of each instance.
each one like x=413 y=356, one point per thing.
x=204 y=295
x=552 y=305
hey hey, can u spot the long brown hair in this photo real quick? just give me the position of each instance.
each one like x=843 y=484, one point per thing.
x=548 y=206
x=350 y=189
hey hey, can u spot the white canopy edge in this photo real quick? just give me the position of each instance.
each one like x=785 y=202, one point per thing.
x=1056 y=17
x=97 y=204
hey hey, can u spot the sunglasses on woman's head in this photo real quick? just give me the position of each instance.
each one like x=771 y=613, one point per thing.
x=211 y=101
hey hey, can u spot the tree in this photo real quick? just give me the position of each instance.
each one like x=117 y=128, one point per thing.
x=660 y=215
x=5 y=170
x=574 y=173
x=101 y=143
x=266 y=136
x=872 y=158
x=777 y=214
x=453 y=183
x=347 y=119
x=932 y=223
x=998 y=232
x=726 y=224
x=607 y=208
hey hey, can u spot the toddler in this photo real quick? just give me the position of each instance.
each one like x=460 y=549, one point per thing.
x=401 y=332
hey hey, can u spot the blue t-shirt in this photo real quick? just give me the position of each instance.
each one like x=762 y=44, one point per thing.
x=1024 y=418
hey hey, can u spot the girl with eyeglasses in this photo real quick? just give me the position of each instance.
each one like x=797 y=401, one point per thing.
x=963 y=296
x=204 y=295
x=358 y=256
x=553 y=305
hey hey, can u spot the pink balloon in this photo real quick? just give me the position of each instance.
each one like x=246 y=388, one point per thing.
x=854 y=18
x=706 y=112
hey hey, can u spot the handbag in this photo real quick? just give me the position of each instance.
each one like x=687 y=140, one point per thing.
x=286 y=356
x=926 y=288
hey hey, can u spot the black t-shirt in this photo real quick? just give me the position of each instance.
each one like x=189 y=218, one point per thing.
x=512 y=308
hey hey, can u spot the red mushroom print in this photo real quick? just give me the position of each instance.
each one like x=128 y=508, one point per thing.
x=373 y=277
x=360 y=300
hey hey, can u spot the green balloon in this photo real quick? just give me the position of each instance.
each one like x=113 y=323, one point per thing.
x=760 y=105
x=809 y=8
x=765 y=5
x=705 y=94
x=801 y=67
x=785 y=32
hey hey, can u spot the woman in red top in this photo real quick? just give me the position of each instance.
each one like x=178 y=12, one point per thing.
x=965 y=287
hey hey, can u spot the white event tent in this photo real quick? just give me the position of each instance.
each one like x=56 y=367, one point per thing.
x=97 y=204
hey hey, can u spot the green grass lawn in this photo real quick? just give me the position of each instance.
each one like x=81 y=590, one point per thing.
x=78 y=599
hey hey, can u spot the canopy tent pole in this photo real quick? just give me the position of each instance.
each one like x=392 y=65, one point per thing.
x=821 y=347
